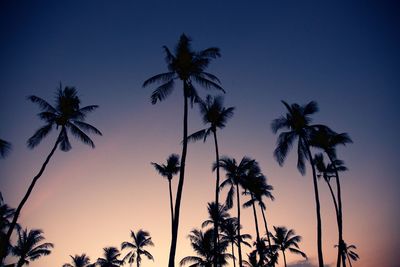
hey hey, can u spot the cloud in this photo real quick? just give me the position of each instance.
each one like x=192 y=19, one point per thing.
x=306 y=263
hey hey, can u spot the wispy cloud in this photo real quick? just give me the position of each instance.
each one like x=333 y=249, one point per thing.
x=306 y=263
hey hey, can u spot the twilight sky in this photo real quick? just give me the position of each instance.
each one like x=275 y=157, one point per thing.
x=342 y=54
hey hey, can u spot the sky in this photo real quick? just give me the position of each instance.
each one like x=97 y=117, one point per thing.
x=342 y=54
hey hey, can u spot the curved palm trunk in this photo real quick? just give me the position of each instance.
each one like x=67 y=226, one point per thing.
x=266 y=229
x=284 y=257
x=239 y=236
x=170 y=202
x=318 y=209
x=216 y=200
x=233 y=255
x=3 y=246
x=337 y=218
x=175 y=225
x=257 y=230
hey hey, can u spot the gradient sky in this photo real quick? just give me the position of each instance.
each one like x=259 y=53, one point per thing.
x=342 y=54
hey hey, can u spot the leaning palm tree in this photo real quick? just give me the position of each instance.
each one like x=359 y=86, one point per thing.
x=235 y=176
x=79 y=261
x=5 y=148
x=28 y=248
x=297 y=121
x=140 y=240
x=203 y=245
x=168 y=171
x=287 y=240
x=188 y=66
x=66 y=116
x=327 y=140
x=216 y=116
x=110 y=259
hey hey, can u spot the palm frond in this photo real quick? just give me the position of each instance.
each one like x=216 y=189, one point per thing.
x=39 y=135
x=199 y=135
x=78 y=133
x=87 y=127
x=43 y=104
x=162 y=92
x=160 y=78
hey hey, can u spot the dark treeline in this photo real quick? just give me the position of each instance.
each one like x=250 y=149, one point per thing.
x=220 y=239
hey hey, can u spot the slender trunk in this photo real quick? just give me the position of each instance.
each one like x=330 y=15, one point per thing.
x=170 y=202
x=137 y=261
x=318 y=209
x=337 y=218
x=239 y=236
x=3 y=249
x=258 y=244
x=175 y=226
x=20 y=262
x=340 y=214
x=284 y=257
x=233 y=255
x=266 y=229
x=216 y=199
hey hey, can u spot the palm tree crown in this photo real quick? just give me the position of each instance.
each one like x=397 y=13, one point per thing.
x=286 y=239
x=28 y=248
x=79 y=261
x=110 y=259
x=170 y=169
x=141 y=239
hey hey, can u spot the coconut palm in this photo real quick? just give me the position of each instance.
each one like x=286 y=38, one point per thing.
x=235 y=177
x=203 y=245
x=110 y=259
x=66 y=116
x=188 y=66
x=286 y=239
x=28 y=248
x=79 y=261
x=216 y=116
x=5 y=148
x=229 y=233
x=297 y=121
x=327 y=140
x=215 y=214
x=350 y=254
x=140 y=240
x=168 y=171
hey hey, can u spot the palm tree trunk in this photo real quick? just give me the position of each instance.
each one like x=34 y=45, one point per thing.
x=233 y=255
x=20 y=262
x=318 y=209
x=266 y=229
x=284 y=257
x=340 y=214
x=170 y=202
x=23 y=201
x=337 y=218
x=238 y=230
x=216 y=200
x=175 y=225
x=260 y=253
x=137 y=261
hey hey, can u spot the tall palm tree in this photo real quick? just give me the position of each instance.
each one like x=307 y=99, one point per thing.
x=235 y=177
x=110 y=259
x=188 y=66
x=140 y=240
x=66 y=116
x=230 y=234
x=216 y=116
x=168 y=171
x=286 y=239
x=5 y=148
x=203 y=245
x=327 y=140
x=297 y=121
x=80 y=261
x=28 y=248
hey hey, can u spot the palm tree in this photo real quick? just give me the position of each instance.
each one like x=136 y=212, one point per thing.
x=216 y=214
x=203 y=245
x=28 y=248
x=140 y=240
x=235 y=176
x=287 y=240
x=79 y=261
x=65 y=116
x=188 y=66
x=327 y=140
x=5 y=148
x=230 y=234
x=168 y=171
x=6 y=215
x=349 y=253
x=297 y=121
x=216 y=115
x=110 y=259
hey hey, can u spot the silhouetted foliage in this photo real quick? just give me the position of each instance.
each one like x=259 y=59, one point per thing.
x=140 y=240
x=5 y=148
x=80 y=261
x=110 y=259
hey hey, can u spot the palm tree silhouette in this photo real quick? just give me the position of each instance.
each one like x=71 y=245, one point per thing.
x=349 y=253
x=216 y=115
x=235 y=177
x=216 y=214
x=230 y=234
x=203 y=245
x=168 y=171
x=110 y=259
x=188 y=66
x=297 y=121
x=6 y=215
x=327 y=140
x=28 y=248
x=286 y=239
x=66 y=116
x=5 y=148
x=80 y=261
x=140 y=240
